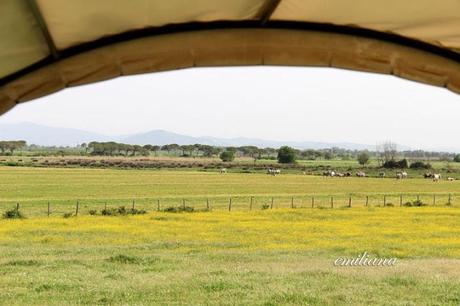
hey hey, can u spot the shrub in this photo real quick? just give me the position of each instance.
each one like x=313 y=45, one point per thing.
x=13 y=214
x=265 y=206
x=392 y=164
x=122 y=211
x=108 y=211
x=416 y=203
x=420 y=165
x=363 y=158
x=457 y=158
x=68 y=215
x=92 y=212
x=177 y=209
x=227 y=156
x=135 y=211
x=287 y=155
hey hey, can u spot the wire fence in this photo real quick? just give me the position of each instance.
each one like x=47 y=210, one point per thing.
x=227 y=203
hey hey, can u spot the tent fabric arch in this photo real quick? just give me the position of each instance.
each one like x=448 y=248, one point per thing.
x=48 y=45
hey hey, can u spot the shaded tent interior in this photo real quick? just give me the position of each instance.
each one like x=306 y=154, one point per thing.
x=48 y=45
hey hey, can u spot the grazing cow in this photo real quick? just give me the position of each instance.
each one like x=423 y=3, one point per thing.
x=428 y=175
x=360 y=174
x=382 y=174
x=223 y=170
x=450 y=179
x=348 y=174
x=401 y=175
x=329 y=173
x=436 y=177
x=273 y=171
x=339 y=174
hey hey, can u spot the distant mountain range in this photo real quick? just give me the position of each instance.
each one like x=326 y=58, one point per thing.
x=161 y=137
x=52 y=136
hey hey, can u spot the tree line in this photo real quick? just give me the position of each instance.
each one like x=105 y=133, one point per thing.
x=387 y=154
x=11 y=146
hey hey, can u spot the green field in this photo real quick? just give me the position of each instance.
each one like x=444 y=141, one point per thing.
x=34 y=188
x=279 y=256
x=214 y=164
x=272 y=257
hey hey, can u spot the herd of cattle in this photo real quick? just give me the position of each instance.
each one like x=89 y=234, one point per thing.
x=436 y=177
x=399 y=175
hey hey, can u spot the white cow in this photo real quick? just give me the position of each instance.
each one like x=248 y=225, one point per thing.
x=360 y=174
x=223 y=170
x=273 y=171
x=401 y=175
x=450 y=179
x=436 y=177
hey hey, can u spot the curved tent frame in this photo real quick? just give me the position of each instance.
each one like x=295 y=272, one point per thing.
x=260 y=41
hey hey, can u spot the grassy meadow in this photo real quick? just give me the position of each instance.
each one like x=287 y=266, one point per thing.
x=271 y=257
x=33 y=188
x=279 y=256
x=214 y=164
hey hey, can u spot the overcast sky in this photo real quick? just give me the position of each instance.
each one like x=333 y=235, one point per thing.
x=302 y=104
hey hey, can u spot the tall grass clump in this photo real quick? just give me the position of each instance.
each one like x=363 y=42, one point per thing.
x=121 y=211
x=13 y=214
x=179 y=209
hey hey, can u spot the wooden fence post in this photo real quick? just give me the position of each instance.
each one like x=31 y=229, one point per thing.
x=134 y=203
x=76 y=208
x=332 y=202
x=183 y=204
x=251 y=202
x=349 y=201
x=271 y=206
x=384 y=200
x=230 y=204
x=312 y=202
x=292 y=202
x=367 y=201
x=450 y=199
x=17 y=207
x=434 y=200
x=158 y=205
x=207 y=203
x=49 y=209
x=400 y=200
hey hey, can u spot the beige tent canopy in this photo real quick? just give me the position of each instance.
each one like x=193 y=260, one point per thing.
x=47 y=45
